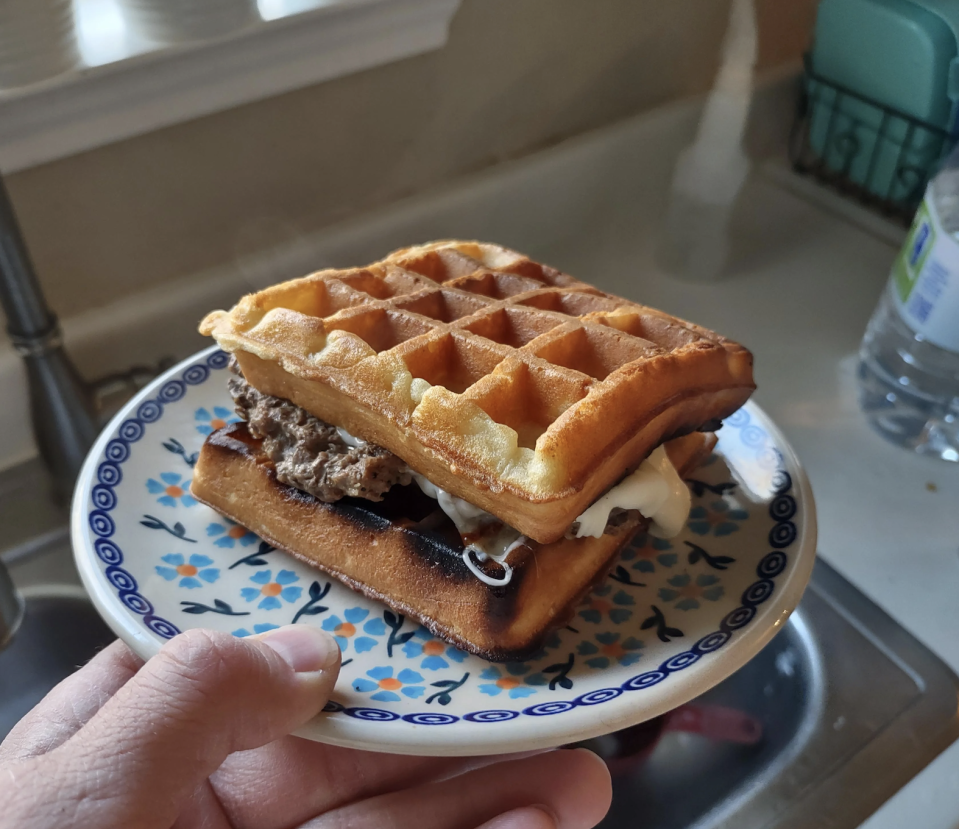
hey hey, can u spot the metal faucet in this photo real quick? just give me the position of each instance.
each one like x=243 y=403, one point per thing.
x=61 y=406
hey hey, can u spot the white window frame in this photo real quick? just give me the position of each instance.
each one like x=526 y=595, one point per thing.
x=97 y=105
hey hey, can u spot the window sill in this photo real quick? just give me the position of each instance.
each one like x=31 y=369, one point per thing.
x=96 y=105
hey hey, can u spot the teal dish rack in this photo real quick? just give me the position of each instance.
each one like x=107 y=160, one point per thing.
x=880 y=102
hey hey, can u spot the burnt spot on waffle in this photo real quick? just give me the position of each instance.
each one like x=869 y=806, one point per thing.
x=427 y=530
x=406 y=553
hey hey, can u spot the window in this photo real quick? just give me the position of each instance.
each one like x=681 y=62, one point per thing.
x=135 y=76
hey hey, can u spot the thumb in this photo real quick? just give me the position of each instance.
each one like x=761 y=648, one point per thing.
x=202 y=697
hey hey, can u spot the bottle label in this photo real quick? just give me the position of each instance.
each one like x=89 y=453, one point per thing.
x=926 y=279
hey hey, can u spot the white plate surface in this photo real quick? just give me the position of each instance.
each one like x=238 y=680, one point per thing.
x=673 y=619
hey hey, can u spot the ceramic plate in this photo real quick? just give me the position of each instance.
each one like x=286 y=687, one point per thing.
x=673 y=619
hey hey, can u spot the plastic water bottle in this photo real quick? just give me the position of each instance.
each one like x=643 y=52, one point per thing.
x=909 y=358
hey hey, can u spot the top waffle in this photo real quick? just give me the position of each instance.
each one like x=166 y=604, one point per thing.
x=506 y=382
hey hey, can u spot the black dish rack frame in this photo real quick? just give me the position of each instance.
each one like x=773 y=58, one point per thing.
x=918 y=146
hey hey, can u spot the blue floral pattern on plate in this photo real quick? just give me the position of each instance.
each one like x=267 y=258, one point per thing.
x=686 y=591
x=496 y=680
x=433 y=654
x=666 y=606
x=171 y=489
x=645 y=552
x=385 y=687
x=228 y=534
x=716 y=518
x=610 y=646
x=270 y=592
x=191 y=571
x=355 y=628
x=208 y=421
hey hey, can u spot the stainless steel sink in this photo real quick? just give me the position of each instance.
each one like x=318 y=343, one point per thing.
x=59 y=632
x=60 y=629
x=850 y=705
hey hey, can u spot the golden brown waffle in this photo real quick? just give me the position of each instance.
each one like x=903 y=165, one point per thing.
x=506 y=382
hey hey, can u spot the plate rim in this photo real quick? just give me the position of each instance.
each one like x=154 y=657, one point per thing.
x=421 y=739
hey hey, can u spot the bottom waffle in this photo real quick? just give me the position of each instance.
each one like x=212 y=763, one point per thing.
x=406 y=553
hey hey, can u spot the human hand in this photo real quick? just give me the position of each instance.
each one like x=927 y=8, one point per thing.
x=198 y=737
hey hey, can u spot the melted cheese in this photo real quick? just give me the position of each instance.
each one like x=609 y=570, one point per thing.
x=491 y=538
x=348 y=439
x=468 y=518
x=497 y=544
x=655 y=489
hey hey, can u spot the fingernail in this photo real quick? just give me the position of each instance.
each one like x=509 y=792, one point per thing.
x=528 y=817
x=303 y=648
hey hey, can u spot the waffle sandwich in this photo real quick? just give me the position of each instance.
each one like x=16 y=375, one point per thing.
x=464 y=433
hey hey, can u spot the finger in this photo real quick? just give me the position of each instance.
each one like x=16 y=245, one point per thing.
x=573 y=786
x=202 y=697
x=62 y=712
x=529 y=817
x=289 y=781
